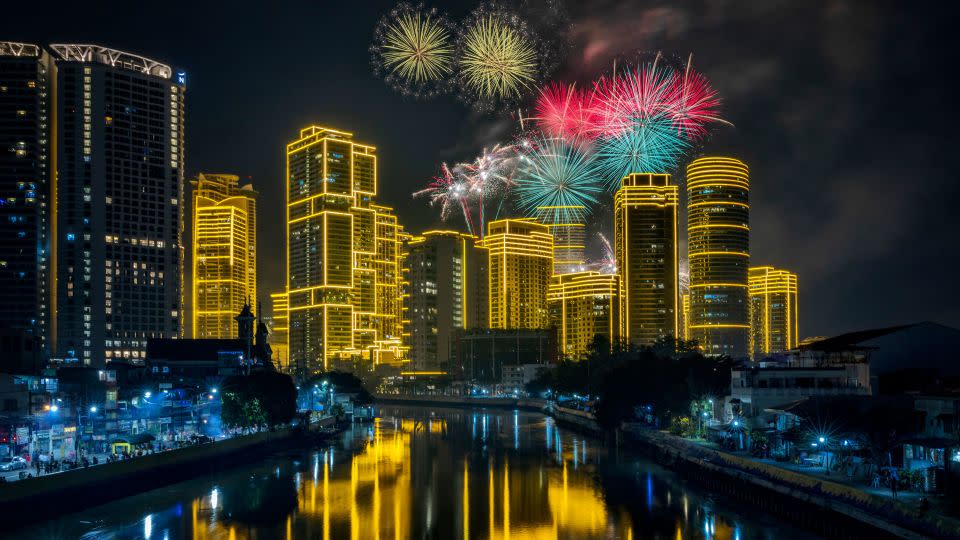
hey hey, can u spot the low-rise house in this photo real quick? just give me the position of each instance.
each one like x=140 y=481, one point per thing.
x=757 y=387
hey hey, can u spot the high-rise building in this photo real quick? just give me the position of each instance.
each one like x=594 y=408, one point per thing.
x=685 y=315
x=387 y=346
x=718 y=247
x=278 y=332
x=119 y=156
x=521 y=263
x=582 y=306
x=447 y=291
x=773 y=311
x=224 y=253
x=645 y=242
x=344 y=255
x=569 y=236
x=27 y=194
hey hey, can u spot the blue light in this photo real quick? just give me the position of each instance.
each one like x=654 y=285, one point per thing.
x=71 y=237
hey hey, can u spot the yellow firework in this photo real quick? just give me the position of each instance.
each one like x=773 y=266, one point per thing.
x=417 y=47
x=498 y=60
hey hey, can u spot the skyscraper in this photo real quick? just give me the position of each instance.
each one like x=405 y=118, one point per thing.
x=27 y=92
x=118 y=208
x=645 y=241
x=718 y=246
x=344 y=255
x=569 y=236
x=582 y=306
x=773 y=311
x=278 y=332
x=447 y=291
x=521 y=263
x=224 y=253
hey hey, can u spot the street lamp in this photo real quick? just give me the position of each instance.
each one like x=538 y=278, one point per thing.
x=93 y=408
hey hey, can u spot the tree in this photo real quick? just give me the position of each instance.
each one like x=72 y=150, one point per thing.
x=343 y=383
x=260 y=398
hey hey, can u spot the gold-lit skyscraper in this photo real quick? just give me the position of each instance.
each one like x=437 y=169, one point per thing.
x=343 y=251
x=521 y=263
x=278 y=331
x=718 y=246
x=583 y=305
x=645 y=242
x=773 y=311
x=224 y=253
x=569 y=236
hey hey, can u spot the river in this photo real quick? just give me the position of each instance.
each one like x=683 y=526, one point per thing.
x=421 y=472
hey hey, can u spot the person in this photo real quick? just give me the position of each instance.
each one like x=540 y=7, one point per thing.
x=36 y=465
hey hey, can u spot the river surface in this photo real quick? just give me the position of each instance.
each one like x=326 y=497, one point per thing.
x=421 y=472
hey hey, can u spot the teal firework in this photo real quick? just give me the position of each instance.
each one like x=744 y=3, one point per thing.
x=555 y=173
x=649 y=145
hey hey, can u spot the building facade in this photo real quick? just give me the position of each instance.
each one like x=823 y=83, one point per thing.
x=278 y=327
x=119 y=200
x=480 y=355
x=224 y=272
x=645 y=242
x=344 y=255
x=582 y=306
x=718 y=247
x=566 y=225
x=27 y=194
x=773 y=311
x=448 y=290
x=521 y=263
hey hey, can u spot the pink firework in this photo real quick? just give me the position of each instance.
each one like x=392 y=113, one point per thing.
x=692 y=103
x=566 y=111
x=625 y=99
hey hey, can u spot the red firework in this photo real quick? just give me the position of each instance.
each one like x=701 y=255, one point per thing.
x=692 y=103
x=566 y=111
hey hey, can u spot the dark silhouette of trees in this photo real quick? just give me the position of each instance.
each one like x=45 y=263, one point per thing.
x=262 y=398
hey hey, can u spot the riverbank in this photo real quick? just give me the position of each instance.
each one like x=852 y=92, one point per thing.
x=44 y=497
x=802 y=498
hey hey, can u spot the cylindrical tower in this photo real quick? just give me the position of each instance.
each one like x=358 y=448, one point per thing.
x=718 y=242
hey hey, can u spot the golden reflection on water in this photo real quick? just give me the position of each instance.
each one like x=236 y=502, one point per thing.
x=468 y=492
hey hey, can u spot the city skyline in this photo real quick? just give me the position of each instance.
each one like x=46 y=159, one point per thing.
x=785 y=234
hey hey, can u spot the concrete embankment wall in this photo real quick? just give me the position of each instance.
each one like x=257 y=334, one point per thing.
x=828 y=508
x=44 y=497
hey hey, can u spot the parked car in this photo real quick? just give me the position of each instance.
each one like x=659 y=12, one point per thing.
x=12 y=463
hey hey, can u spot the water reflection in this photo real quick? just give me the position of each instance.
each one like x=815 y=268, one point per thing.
x=417 y=473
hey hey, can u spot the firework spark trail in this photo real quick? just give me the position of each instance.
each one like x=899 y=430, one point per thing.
x=414 y=50
x=449 y=190
x=498 y=57
x=693 y=103
x=556 y=173
x=608 y=263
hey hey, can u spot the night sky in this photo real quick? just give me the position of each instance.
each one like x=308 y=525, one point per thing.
x=839 y=107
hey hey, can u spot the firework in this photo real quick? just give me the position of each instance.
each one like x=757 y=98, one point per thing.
x=556 y=173
x=451 y=192
x=565 y=111
x=650 y=145
x=626 y=99
x=413 y=50
x=692 y=103
x=608 y=262
x=498 y=57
